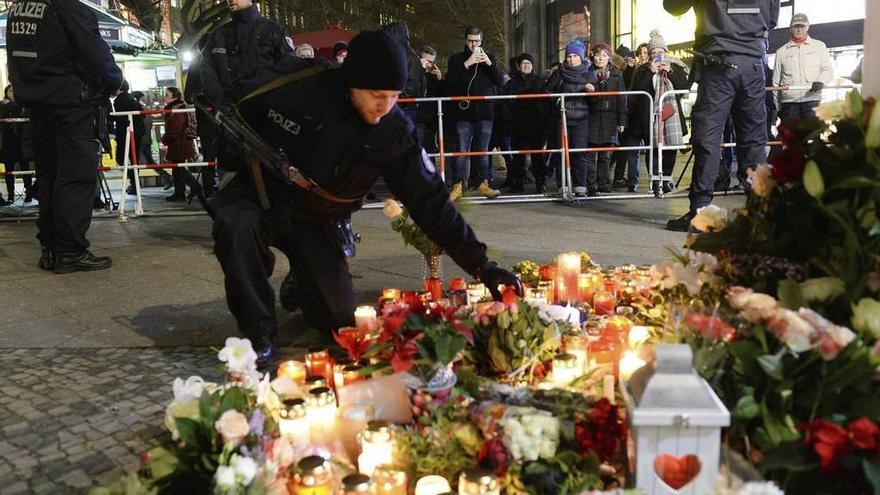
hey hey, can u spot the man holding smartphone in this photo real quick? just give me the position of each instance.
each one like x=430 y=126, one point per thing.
x=472 y=72
x=729 y=45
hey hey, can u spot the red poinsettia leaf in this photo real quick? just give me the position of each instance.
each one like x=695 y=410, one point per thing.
x=401 y=364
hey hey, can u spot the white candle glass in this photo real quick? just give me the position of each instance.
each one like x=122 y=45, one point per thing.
x=432 y=485
x=365 y=318
x=294 y=423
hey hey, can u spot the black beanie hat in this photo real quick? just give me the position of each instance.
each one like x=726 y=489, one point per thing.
x=624 y=51
x=375 y=61
x=338 y=47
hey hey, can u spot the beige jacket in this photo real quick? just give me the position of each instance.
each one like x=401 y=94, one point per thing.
x=802 y=65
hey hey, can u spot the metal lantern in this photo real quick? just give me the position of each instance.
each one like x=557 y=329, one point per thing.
x=676 y=420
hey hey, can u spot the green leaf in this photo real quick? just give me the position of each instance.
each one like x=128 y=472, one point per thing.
x=188 y=431
x=746 y=408
x=790 y=296
x=772 y=365
x=161 y=462
x=872 y=472
x=791 y=457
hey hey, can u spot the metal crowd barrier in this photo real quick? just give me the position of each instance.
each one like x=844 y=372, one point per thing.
x=658 y=176
x=565 y=178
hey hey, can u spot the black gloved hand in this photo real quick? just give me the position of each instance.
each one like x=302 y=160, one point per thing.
x=492 y=277
x=817 y=86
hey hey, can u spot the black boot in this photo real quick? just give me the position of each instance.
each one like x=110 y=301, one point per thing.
x=539 y=186
x=263 y=346
x=47 y=259
x=682 y=223
x=287 y=296
x=81 y=262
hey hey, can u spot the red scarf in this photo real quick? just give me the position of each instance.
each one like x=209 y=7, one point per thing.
x=799 y=42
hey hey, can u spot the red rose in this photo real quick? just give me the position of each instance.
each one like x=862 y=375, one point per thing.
x=789 y=165
x=863 y=433
x=829 y=441
x=600 y=432
x=493 y=456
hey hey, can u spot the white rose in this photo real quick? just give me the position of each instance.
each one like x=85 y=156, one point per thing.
x=232 y=426
x=704 y=261
x=762 y=181
x=792 y=329
x=866 y=316
x=760 y=488
x=225 y=477
x=822 y=289
x=244 y=467
x=711 y=217
x=759 y=307
x=239 y=356
x=830 y=110
x=392 y=208
x=737 y=296
x=186 y=407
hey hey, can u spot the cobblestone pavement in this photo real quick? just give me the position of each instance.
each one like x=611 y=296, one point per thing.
x=73 y=419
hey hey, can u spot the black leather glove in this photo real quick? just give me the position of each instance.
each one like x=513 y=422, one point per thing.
x=817 y=86
x=492 y=277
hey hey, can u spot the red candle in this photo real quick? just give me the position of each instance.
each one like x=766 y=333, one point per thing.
x=457 y=283
x=619 y=325
x=411 y=297
x=547 y=272
x=319 y=363
x=435 y=287
x=603 y=304
x=569 y=272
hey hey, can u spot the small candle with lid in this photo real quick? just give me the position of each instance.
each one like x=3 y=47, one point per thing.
x=565 y=369
x=318 y=362
x=356 y=484
x=389 y=480
x=377 y=446
x=478 y=481
x=321 y=411
x=294 y=423
x=432 y=485
x=313 y=476
x=295 y=370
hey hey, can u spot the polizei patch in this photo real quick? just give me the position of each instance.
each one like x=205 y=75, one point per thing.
x=284 y=123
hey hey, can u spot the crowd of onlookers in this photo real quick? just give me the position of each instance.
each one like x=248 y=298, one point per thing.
x=532 y=124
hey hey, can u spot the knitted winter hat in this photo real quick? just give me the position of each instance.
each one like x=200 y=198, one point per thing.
x=375 y=61
x=524 y=56
x=657 y=41
x=624 y=51
x=577 y=47
x=304 y=49
x=339 y=46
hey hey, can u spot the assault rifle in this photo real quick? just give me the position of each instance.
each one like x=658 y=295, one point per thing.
x=259 y=154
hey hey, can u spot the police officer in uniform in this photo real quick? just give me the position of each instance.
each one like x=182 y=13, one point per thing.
x=62 y=70
x=230 y=55
x=729 y=49
x=342 y=130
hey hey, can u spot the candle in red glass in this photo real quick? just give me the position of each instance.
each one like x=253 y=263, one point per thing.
x=547 y=272
x=295 y=370
x=411 y=297
x=435 y=287
x=318 y=363
x=457 y=283
x=569 y=271
x=619 y=325
x=611 y=284
x=389 y=294
x=605 y=351
x=603 y=304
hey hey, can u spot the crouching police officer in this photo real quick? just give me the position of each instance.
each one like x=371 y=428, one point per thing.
x=62 y=70
x=729 y=49
x=341 y=129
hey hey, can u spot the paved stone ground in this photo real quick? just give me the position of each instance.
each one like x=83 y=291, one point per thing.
x=88 y=358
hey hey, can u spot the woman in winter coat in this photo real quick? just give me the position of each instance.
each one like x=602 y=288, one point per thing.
x=18 y=149
x=180 y=146
x=659 y=75
x=525 y=121
x=608 y=118
x=573 y=76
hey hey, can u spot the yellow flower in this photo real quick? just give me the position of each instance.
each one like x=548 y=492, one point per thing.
x=392 y=208
x=822 y=289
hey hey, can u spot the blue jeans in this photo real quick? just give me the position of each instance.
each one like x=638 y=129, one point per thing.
x=473 y=135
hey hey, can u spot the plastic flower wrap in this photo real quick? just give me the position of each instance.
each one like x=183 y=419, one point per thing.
x=530 y=433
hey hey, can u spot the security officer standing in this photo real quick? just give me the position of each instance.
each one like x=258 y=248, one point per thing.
x=342 y=129
x=729 y=49
x=62 y=70
x=229 y=55
x=235 y=51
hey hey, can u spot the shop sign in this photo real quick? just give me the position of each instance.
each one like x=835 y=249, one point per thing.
x=109 y=34
x=136 y=37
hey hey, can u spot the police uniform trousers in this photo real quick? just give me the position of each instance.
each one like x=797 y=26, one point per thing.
x=243 y=233
x=727 y=91
x=67 y=154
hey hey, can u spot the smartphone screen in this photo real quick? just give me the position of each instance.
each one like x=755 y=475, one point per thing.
x=658 y=57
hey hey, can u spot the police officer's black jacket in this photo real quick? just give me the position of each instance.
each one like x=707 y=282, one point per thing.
x=236 y=50
x=56 y=55
x=322 y=135
x=729 y=26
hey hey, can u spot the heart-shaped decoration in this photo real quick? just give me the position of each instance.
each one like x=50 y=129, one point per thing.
x=677 y=471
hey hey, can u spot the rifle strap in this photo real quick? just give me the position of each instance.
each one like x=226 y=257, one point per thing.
x=295 y=175
x=259 y=183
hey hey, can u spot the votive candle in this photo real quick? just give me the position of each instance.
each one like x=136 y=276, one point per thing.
x=365 y=318
x=294 y=423
x=389 y=480
x=432 y=485
x=295 y=370
x=565 y=369
x=629 y=363
x=569 y=272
